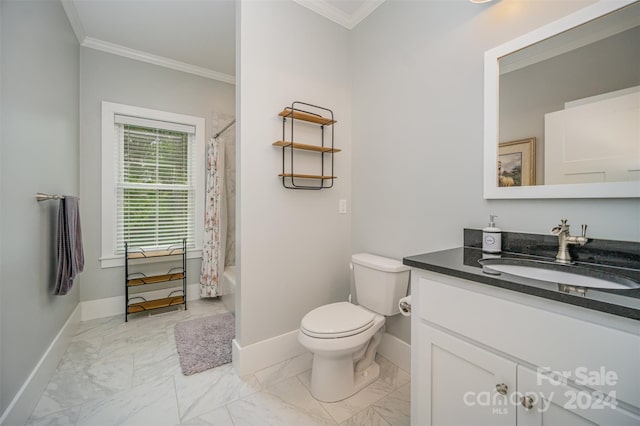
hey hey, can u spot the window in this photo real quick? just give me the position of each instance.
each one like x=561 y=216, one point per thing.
x=153 y=180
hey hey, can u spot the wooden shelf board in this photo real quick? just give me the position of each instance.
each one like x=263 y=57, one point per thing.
x=155 y=304
x=306 y=147
x=297 y=175
x=154 y=253
x=299 y=115
x=155 y=279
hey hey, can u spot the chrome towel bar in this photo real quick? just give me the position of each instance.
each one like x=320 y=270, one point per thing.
x=43 y=197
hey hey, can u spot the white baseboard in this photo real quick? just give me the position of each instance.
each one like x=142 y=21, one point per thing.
x=263 y=354
x=259 y=355
x=397 y=351
x=110 y=306
x=100 y=308
x=24 y=402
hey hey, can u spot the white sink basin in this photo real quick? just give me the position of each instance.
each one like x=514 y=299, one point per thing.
x=557 y=273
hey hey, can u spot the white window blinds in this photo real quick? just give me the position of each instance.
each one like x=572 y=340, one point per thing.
x=155 y=189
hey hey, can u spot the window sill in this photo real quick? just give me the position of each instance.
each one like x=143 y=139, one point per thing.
x=118 y=261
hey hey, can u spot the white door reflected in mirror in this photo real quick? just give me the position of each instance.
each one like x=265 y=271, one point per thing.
x=594 y=140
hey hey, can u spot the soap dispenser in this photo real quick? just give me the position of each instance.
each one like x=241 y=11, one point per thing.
x=492 y=237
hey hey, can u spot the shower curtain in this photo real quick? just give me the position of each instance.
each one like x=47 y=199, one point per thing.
x=215 y=225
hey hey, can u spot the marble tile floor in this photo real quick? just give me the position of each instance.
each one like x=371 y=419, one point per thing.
x=117 y=373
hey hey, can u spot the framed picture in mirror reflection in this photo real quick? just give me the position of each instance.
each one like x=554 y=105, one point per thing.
x=517 y=163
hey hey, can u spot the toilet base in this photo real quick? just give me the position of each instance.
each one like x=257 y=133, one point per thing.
x=341 y=382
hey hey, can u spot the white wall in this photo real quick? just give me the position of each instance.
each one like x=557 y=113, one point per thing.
x=417 y=131
x=106 y=77
x=293 y=245
x=39 y=154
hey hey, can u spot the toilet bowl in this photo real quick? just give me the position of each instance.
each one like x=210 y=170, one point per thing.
x=340 y=335
x=344 y=337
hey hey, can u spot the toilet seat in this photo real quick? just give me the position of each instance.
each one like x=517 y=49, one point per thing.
x=337 y=320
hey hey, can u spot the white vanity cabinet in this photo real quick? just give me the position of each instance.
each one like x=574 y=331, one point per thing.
x=480 y=354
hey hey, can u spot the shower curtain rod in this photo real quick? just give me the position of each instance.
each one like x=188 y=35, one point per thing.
x=225 y=129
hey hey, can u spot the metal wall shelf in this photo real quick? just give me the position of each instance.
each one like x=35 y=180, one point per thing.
x=307 y=116
x=133 y=279
x=289 y=177
x=306 y=147
x=301 y=176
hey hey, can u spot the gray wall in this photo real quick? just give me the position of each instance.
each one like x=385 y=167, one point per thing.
x=527 y=94
x=418 y=131
x=40 y=57
x=106 y=77
x=293 y=245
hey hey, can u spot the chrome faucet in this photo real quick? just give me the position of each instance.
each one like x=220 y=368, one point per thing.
x=565 y=238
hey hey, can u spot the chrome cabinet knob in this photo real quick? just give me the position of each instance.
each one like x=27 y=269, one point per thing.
x=502 y=389
x=527 y=402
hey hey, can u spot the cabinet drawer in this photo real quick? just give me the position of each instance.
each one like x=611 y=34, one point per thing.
x=556 y=403
x=597 y=356
x=463 y=383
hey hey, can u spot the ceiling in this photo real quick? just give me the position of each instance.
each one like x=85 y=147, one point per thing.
x=196 y=36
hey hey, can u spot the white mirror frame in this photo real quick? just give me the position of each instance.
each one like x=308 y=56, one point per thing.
x=491 y=78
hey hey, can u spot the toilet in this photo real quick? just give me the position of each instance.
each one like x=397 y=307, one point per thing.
x=344 y=337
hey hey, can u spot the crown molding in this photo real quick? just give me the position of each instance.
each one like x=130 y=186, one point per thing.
x=365 y=10
x=116 y=49
x=336 y=15
x=74 y=19
x=328 y=11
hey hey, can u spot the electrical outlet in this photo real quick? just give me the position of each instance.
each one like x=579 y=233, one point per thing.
x=342 y=206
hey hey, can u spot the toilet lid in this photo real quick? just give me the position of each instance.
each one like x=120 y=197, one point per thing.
x=340 y=319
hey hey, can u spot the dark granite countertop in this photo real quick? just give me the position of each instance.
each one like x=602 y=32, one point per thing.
x=463 y=263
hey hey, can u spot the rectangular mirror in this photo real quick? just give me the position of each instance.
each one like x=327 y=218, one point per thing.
x=562 y=108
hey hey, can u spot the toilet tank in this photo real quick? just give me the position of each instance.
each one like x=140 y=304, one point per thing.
x=380 y=282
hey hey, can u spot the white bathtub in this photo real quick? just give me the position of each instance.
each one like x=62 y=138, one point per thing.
x=228 y=288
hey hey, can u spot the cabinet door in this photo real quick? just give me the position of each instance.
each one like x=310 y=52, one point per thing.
x=553 y=402
x=461 y=384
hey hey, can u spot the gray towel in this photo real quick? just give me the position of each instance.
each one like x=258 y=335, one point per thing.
x=70 y=256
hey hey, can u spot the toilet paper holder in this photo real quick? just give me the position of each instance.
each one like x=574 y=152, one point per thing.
x=405 y=306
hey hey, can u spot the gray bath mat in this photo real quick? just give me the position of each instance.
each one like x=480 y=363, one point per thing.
x=205 y=343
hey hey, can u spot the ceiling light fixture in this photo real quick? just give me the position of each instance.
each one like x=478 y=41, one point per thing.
x=479 y=1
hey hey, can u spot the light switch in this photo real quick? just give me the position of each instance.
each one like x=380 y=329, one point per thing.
x=342 y=206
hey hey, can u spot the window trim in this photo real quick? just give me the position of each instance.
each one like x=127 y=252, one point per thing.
x=108 y=258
